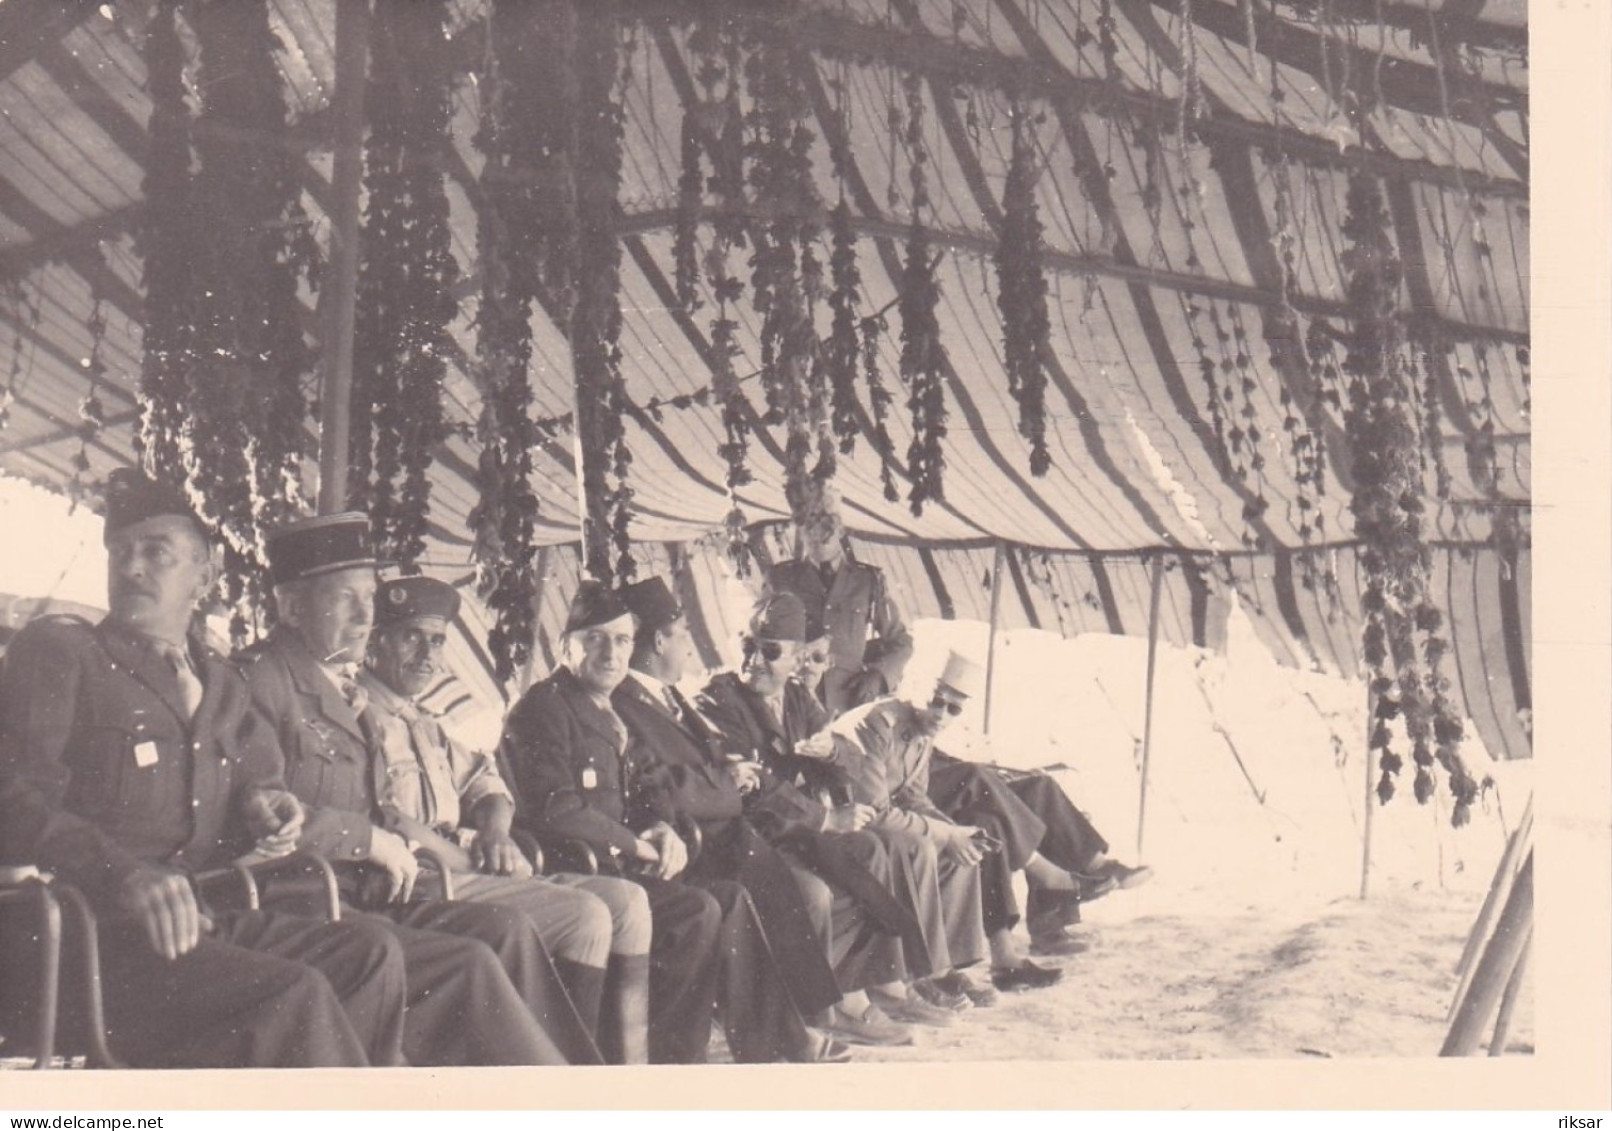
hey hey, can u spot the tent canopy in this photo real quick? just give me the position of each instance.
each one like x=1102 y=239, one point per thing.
x=1222 y=249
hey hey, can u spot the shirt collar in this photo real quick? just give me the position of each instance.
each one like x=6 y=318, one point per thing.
x=648 y=682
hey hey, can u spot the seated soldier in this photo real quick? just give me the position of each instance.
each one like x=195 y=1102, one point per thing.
x=897 y=739
x=768 y=836
x=130 y=758
x=482 y=989
x=453 y=800
x=762 y=713
x=568 y=759
x=1070 y=841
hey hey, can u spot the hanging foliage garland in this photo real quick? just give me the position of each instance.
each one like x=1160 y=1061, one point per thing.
x=165 y=244
x=1401 y=642
x=252 y=247
x=407 y=272
x=602 y=404
x=530 y=45
x=1022 y=291
x=786 y=276
x=923 y=357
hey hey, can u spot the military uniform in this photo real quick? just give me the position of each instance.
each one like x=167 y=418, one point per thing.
x=567 y=755
x=786 y=812
x=466 y=1005
x=868 y=643
x=104 y=771
x=427 y=778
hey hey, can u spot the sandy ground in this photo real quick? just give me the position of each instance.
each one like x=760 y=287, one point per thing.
x=1343 y=979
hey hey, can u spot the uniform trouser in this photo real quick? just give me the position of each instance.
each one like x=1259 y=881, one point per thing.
x=582 y=921
x=971 y=794
x=710 y=949
x=944 y=903
x=851 y=890
x=1071 y=842
x=261 y=990
x=735 y=852
x=478 y=979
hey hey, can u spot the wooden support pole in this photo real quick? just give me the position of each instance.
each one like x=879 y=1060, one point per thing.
x=998 y=564
x=1508 y=1001
x=1371 y=774
x=336 y=387
x=1494 y=969
x=1505 y=872
x=1155 y=588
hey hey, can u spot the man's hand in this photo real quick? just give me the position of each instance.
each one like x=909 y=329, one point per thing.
x=961 y=846
x=165 y=905
x=495 y=851
x=745 y=775
x=389 y=852
x=671 y=852
x=819 y=745
x=274 y=817
x=849 y=818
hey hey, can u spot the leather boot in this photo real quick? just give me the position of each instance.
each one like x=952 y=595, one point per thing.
x=1047 y=912
x=586 y=986
x=624 y=1024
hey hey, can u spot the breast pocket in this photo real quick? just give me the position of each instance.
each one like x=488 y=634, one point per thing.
x=325 y=767
x=119 y=770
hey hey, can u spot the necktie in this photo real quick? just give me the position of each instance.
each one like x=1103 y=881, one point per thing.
x=190 y=685
x=357 y=698
x=674 y=703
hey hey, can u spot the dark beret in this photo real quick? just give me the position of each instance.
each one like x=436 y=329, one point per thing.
x=593 y=605
x=132 y=496
x=779 y=617
x=651 y=601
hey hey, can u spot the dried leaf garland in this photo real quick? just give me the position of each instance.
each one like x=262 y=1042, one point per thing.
x=1022 y=292
x=522 y=38
x=407 y=272
x=842 y=351
x=1388 y=504
x=245 y=430
x=602 y=404
x=923 y=357
x=164 y=243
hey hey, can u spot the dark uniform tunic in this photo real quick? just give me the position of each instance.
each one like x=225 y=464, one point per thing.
x=466 y=1005
x=567 y=757
x=104 y=771
x=868 y=644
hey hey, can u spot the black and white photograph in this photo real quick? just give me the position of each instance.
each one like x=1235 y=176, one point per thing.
x=815 y=533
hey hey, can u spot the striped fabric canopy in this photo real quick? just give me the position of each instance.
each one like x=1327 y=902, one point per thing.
x=1148 y=250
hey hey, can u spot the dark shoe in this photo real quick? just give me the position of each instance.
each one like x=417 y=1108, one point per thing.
x=1057 y=944
x=872 y=1028
x=941 y=994
x=912 y=1009
x=957 y=982
x=1025 y=976
x=1048 y=910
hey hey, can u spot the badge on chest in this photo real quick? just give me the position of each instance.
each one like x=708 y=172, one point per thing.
x=590 y=778
x=145 y=754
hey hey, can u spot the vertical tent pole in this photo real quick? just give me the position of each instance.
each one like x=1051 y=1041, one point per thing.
x=580 y=457
x=1155 y=585
x=1365 y=840
x=335 y=407
x=997 y=566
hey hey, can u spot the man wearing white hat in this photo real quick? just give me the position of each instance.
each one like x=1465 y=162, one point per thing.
x=975 y=821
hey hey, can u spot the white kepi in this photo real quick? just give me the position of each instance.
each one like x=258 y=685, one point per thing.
x=963 y=675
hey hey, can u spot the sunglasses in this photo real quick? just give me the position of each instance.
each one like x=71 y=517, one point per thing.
x=770 y=650
x=814 y=658
x=951 y=708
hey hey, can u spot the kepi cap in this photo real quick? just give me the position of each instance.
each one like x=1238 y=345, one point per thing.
x=593 y=605
x=404 y=597
x=652 y=602
x=780 y=616
x=324 y=544
x=962 y=675
x=132 y=496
